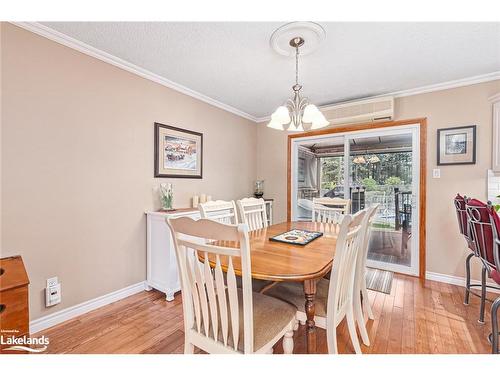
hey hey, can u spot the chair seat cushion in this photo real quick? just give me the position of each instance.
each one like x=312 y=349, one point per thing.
x=495 y=275
x=293 y=293
x=257 y=284
x=270 y=317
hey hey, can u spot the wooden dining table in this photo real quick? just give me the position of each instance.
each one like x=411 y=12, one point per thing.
x=278 y=261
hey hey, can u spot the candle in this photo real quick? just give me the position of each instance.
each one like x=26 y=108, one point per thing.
x=195 y=201
x=209 y=198
x=203 y=198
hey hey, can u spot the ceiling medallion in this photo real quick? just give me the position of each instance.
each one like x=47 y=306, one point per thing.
x=297 y=114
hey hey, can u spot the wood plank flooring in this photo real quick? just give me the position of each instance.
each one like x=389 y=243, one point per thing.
x=415 y=318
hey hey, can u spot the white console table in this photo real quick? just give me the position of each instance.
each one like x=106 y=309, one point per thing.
x=162 y=273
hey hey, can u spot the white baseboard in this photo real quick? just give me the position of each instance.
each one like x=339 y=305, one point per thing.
x=454 y=280
x=74 y=311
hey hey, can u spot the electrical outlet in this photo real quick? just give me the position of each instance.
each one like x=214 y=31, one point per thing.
x=52 y=292
x=53 y=281
x=436 y=173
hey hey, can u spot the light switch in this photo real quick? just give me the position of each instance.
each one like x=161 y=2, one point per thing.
x=436 y=173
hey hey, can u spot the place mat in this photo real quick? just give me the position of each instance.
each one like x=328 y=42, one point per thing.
x=299 y=237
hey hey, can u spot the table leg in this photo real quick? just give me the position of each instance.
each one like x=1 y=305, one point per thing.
x=310 y=293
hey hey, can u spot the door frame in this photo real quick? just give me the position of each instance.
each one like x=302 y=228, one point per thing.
x=422 y=123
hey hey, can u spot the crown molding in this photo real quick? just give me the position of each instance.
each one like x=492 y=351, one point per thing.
x=75 y=44
x=67 y=41
x=416 y=91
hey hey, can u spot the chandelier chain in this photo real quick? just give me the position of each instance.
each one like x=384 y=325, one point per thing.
x=296 y=65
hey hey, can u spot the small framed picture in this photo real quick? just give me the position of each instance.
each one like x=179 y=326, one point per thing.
x=178 y=152
x=456 y=145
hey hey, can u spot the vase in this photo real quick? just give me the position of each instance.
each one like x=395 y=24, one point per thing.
x=259 y=189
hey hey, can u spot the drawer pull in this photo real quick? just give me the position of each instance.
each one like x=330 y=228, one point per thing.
x=1 y=271
x=2 y=308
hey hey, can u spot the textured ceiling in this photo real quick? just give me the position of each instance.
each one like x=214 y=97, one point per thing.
x=234 y=64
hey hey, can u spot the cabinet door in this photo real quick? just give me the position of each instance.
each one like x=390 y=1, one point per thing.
x=159 y=254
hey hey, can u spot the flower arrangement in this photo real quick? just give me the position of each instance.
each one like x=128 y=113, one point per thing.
x=166 y=196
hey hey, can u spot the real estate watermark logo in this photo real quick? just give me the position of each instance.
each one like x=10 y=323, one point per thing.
x=9 y=342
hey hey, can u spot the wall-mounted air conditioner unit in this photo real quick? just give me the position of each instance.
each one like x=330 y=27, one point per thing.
x=374 y=109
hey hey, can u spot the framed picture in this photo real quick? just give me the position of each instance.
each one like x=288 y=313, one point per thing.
x=178 y=152
x=456 y=145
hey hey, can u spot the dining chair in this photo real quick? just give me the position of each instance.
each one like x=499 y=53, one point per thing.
x=463 y=227
x=225 y=212
x=334 y=297
x=253 y=212
x=221 y=211
x=219 y=317
x=481 y=233
x=494 y=271
x=329 y=210
x=360 y=299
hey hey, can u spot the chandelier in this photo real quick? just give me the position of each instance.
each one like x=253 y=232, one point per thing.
x=297 y=110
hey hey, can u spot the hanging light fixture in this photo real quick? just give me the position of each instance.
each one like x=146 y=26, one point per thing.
x=297 y=110
x=359 y=160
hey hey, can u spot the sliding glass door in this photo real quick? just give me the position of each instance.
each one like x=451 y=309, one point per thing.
x=382 y=169
x=379 y=167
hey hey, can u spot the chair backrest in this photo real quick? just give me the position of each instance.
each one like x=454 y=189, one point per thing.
x=366 y=229
x=463 y=225
x=340 y=292
x=210 y=304
x=221 y=211
x=329 y=210
x=495 y=224
x=481 y=233
x=253 y=212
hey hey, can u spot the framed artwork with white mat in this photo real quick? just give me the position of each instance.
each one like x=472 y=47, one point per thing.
x=456 y=145
x=178 y=153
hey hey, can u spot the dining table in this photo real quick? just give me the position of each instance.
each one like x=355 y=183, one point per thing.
x=279 y=261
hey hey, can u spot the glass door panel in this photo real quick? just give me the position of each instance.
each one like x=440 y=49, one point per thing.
x=382 y=170
x=320 y=173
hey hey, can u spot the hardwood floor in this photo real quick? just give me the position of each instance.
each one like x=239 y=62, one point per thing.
x=414 y=318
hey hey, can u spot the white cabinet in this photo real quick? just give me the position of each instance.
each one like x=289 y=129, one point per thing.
x=495 y=161
x=162 y=273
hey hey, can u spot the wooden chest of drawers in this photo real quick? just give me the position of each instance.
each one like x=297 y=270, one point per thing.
x=14 y=308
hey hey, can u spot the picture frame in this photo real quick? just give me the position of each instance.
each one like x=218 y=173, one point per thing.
x=456 y=145
x=178 y=153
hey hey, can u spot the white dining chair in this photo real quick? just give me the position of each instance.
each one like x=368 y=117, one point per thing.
x=225 y=212
x=360 y=299
x=218 y=316
x=253 y=212
x=329 y=210
x=334 y=297
x=221 y=211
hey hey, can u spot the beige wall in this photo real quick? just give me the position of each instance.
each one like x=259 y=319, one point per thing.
x=461 y=106
x=77 y=153
x=77 y=164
